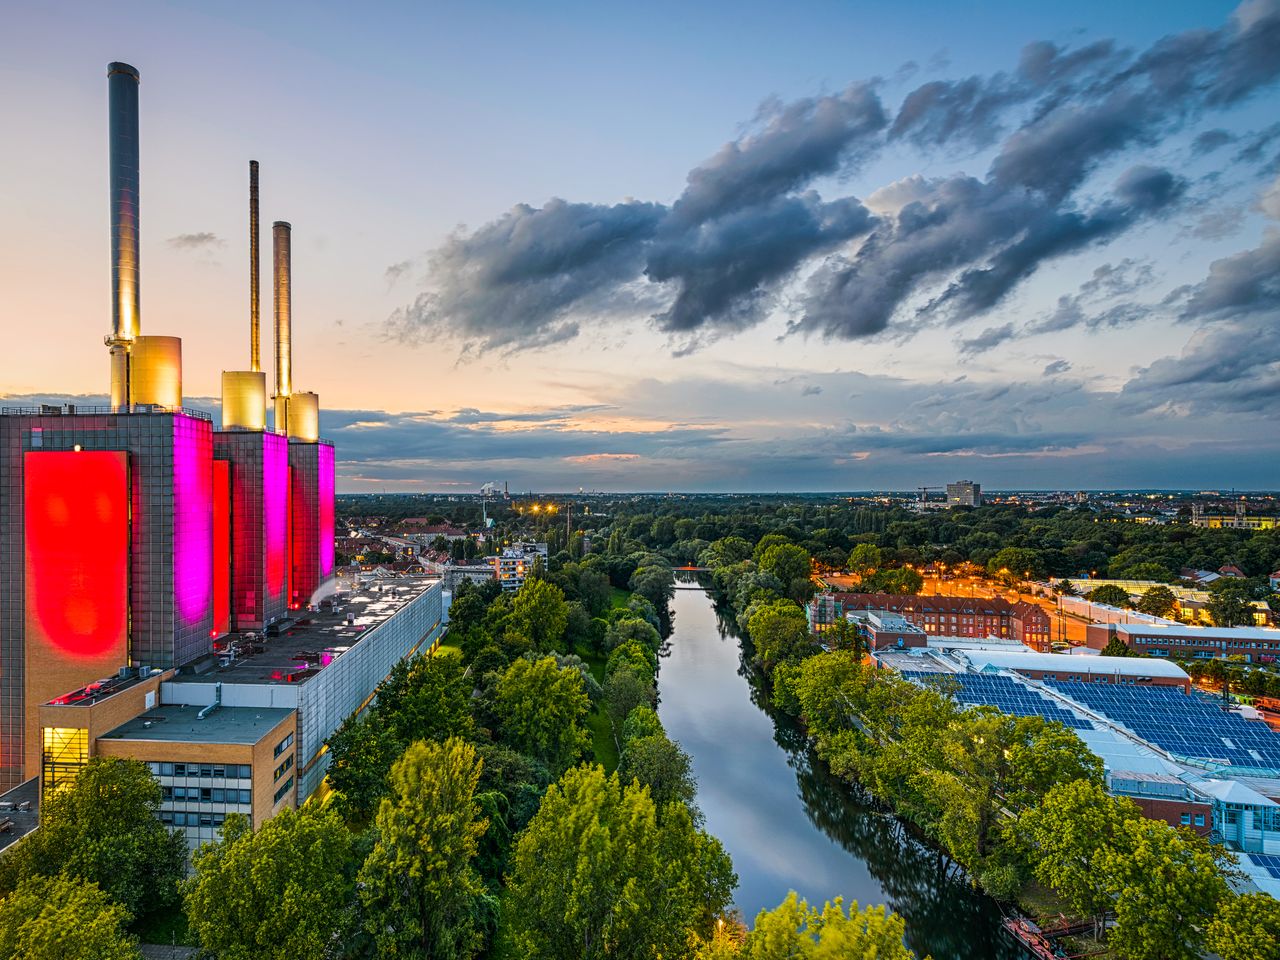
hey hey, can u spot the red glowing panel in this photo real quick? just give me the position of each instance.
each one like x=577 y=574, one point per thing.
x=76 y=516
x=221 y=547
x=275 y=508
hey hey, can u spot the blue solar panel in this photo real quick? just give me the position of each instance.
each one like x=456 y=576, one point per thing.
x=1268 y=862
x=1185 y=725
x=1003 y=694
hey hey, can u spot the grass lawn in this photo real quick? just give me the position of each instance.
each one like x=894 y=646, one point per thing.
x=606 y=750
x=619 y=597
x=449 y=650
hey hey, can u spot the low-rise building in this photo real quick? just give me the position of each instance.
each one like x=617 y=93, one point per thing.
x=1255 y=644
x=960 y=616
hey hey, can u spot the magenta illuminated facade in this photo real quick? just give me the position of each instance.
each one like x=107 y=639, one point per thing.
x=311 y=467
x=259 y=466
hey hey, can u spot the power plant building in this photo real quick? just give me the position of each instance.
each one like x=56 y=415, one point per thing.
x=166 y=588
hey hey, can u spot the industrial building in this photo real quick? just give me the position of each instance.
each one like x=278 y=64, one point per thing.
x=168 y=589
x=1182 y=757
x=1254 y=644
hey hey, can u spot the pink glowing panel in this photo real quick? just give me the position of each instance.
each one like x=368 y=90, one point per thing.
x=221 y=548
x=275 y=509
x=192 y=520
x=326 y=487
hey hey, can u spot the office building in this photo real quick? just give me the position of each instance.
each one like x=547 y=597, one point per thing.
x=964 y=493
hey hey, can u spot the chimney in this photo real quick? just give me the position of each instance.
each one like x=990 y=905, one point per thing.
x=255 y=362
x=280 y=233
x=126 y=314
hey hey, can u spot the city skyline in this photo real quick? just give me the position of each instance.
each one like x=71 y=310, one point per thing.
x=994 y=255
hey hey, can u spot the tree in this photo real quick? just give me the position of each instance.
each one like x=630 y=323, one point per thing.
x=421 y=895
x=631 y=628
x=1110 y=595
x=362 y=751
x=540 y=614
x=865 y=558
x=1117 y=648
x=641 y=722
x=61 y=918
x=598 y=874
x=794 y=931
x=1167 y=887
x=542 y=707
x=427 y=698
x=659 y=764
x=1246 y=927
x=624 y=690
x=1230 y=608
x=779 y=631
x=792 y=566
x=105 y=829
x=1015 y=563
x=1158 y=601
x=281 y=892
x=1066 y=835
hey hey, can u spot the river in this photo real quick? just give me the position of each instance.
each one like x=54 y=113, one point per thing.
x=785 y=820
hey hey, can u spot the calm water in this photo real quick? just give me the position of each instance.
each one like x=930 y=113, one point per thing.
x=787 y=823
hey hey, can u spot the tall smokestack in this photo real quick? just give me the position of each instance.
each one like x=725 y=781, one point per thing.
x=126 y=313
x=255 y=360
x=280 y=235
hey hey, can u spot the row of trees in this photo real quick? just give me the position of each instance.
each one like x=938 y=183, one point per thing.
x=1010 y=798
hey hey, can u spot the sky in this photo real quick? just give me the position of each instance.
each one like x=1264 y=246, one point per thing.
x=669 y=246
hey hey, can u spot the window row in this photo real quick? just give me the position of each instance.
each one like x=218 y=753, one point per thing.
x=284 y=745
x=176 y=818
x=207 y=794
x=284 y=767
x=288 y=785
x=236 y=770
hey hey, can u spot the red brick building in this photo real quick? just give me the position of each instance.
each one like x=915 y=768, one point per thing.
x=960 y=616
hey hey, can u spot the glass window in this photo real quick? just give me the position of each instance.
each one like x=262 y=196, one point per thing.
x=219 y=771
x=246 y=771
x=244 y=797
x=1199 y=819
x=219 y=795
x=166 y=769
x=1186 y=819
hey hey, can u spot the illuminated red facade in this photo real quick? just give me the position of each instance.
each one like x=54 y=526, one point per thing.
x=311 y=512
x=221 y=548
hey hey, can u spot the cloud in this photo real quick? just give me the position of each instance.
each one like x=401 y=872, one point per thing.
x=812 y=390
x=988 y=338
x=1055 y=367
x=751 y=235
x=398 y=270
x=1210 y=140
x=195 y=241
x=1242 y=283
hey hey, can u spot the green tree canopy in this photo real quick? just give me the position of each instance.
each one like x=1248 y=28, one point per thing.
x=105 y=829
x=658 y=763
x=792 y=566
x=1158 y=601
x=1069 y=831
x=421 y=895
x=631 y=628
x=598 y=874
x=540 y=614
x=541 y=708
x=61 y=918
x=865 y=558
x=780 y=632
x=1246 y=928
x=1111 y=595
x=281 y=892
x=1167 y=887
x=795 y=931
x=1230 y=609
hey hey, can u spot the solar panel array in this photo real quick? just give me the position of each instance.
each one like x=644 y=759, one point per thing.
x=1004 y=694
x=1268 y=862
x=1184 y=724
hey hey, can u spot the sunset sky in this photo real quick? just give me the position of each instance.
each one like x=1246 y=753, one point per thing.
x=722 y=246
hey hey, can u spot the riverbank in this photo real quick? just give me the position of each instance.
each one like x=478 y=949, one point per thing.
x=785 y=819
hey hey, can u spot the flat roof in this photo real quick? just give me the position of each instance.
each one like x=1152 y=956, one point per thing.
x=21 y=822
x=176 y=723
x=313 y=639
x=100 y=690
x=1109 y=666
x=1207 y=633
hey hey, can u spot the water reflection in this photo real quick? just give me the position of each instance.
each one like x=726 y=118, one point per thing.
x=785 y=820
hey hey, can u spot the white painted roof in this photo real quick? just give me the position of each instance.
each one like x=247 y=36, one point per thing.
x=1067 y=664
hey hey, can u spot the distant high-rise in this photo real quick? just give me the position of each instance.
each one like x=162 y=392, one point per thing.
x=964 y=493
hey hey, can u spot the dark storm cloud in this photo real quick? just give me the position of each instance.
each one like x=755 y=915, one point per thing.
x=751 y=226
x=195 y=241
x=988 y=338
x=1055 y=367
x=1242 y=283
